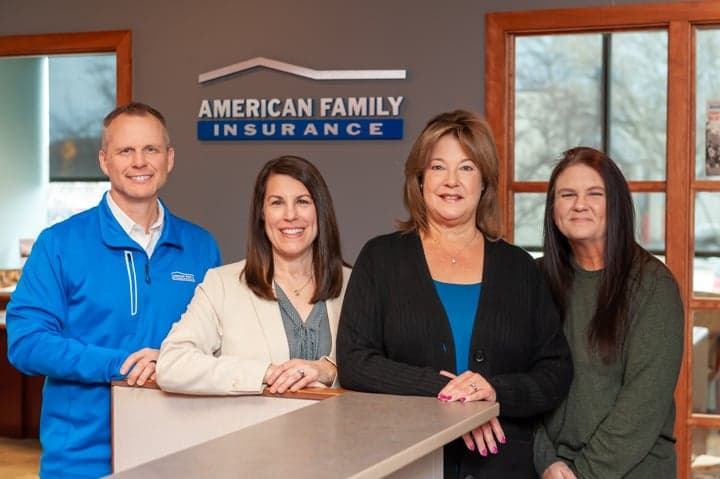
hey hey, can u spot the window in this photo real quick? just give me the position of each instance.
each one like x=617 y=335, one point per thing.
x=81 y=91
x=639 y=82
x=41 y=140
x=604 y=90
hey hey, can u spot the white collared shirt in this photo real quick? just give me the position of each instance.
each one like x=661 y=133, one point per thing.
x=147 y=241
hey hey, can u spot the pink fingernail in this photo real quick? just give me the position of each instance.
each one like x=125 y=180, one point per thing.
x=493 y=450
x=483 y=452
x=502 y=440
x=471 y=447
x=463 y=399
x=444 y=397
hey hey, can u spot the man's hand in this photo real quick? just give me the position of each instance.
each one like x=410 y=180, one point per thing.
x=140 y=366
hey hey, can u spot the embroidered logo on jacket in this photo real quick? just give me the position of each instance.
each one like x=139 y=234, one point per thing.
x=178 y=276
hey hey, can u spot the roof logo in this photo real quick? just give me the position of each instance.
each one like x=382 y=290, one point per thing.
x=302 y=71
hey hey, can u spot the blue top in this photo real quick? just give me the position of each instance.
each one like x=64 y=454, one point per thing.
x=460 y=302
x=87 y=298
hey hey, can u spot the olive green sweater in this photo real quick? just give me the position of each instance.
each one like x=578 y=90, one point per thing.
x=617 y=421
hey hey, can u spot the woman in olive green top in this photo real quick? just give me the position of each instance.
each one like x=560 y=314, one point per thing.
x=623 y=317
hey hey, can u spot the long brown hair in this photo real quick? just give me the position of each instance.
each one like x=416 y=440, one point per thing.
x=609 y=324
x=474 y=135
x=327 y=256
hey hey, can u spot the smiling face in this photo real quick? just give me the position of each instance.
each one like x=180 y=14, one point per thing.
x=452 y=184
x=579 y=206
x=136 y=158
x=290 y=217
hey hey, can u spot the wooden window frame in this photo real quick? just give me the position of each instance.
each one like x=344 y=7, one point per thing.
x=117 y=41
x=679 y=20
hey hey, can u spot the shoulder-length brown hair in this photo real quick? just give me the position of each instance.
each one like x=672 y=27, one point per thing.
x=474 y=135
x=327 y=256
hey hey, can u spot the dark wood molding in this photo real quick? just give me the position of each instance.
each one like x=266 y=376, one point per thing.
x=117 y=41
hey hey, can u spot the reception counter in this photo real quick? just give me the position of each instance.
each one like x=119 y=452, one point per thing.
x=356 y=435
x=148 y=423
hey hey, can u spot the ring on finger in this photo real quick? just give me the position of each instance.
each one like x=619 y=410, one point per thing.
x=474 y=387
x=301 y=373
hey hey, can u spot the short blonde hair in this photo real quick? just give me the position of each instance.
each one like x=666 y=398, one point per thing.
x=134 y=108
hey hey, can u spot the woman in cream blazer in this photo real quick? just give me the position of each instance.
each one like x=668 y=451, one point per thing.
x=272 y=318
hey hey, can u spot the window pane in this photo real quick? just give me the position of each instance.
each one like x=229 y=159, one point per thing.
x=557 y=98
x=705 y=375
x=638 y=103
x=69 y=197
x=82 y=92
x=559 y=101
x=650 y=221
x=529 y=213
x=705 y=453
x=707 y=88
x=706 y=262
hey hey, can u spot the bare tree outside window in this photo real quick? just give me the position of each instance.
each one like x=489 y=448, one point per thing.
x=606 y=91
x=81 y=92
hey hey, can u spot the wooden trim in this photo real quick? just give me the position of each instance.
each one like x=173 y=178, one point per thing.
x=123 y=55
x=541 y=187
x=677 y=206
x=702 y=303
x=703 y=421
x=699 y=186
x=57 y=43
x=609 y=18
x=528 y=187
x=150 y=384
x=498 y=73
x=647 y=186
x=118 y=41
x=680 y=20
x=307 y=393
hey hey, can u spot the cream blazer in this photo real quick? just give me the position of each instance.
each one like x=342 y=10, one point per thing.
x=227 y=337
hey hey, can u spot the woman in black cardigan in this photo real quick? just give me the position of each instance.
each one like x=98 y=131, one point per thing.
x=446 y=308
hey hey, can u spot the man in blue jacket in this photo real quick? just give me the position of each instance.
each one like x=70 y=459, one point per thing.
x=100 y=291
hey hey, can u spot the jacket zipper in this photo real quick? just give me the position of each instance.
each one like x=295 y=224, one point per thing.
x=132 y=280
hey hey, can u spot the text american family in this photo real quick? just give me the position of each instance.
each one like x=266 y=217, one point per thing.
x=353 y=117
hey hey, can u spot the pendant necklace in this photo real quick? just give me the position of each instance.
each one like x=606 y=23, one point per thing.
x=299 y=290
x=453 y=257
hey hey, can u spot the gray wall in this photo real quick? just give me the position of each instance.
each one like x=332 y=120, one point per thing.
x=441 y=46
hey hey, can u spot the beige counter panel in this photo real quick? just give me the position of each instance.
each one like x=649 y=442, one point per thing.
x=354 y=435
x=149 y=423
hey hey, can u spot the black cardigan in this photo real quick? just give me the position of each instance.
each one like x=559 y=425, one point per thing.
x=394 y=336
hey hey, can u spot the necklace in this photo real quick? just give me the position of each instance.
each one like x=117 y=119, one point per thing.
x=453 y=257
x=299 y=290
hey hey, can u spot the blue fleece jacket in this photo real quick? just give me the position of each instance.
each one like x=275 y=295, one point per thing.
x=87 y=298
